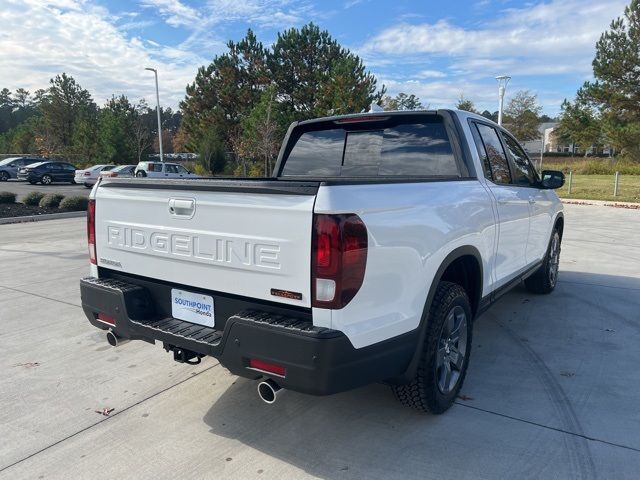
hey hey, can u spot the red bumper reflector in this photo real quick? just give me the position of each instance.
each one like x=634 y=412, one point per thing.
x=107 y=319
x=267 y=367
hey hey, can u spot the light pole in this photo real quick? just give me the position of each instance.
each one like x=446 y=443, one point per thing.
x=502 y=86
x=158 y=110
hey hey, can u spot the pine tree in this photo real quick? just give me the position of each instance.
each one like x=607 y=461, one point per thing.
x=616 y=89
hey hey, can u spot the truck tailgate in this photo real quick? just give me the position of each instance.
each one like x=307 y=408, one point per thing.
x=248 y=238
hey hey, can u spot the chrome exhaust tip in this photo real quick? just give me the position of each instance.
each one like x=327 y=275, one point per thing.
x=114 y=340
x=268 y=391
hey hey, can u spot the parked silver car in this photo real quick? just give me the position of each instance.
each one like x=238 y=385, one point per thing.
x=121 y=171
x=9 y=166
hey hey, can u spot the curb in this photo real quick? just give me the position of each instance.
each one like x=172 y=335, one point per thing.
x=40 y=218
x=600 y=203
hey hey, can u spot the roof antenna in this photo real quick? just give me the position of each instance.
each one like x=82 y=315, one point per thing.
x=375 y=108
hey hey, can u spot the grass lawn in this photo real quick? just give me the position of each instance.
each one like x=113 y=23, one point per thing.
x=600 y=187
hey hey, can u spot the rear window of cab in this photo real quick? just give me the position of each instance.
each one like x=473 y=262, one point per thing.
x=390 y=147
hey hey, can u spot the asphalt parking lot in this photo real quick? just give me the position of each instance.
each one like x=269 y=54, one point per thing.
x=22 y=188
x=553 y=389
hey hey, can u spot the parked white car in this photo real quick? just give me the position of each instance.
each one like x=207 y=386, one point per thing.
x=89 y=176
x=163 y=170
x=365 y=258
x=121 y=171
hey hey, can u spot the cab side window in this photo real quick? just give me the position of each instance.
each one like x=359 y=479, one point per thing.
x=523 y=174
x=492 y=155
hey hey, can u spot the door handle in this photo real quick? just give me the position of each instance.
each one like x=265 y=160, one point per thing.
x=182 y=207
x=532 y=200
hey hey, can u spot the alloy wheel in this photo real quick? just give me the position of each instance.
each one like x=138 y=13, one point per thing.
x=452 y=349
x=554 y=259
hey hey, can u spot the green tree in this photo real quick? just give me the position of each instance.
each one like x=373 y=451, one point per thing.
x=225 y=91
x=490 y=116
x=466 y=104
x=262 y=132
x=211 y=153
x=312 y=71
x=61 y=107
x=116 y=132
x=6 y=110
x=23 y=138
x=521 y=115
x=616 y=89
x=85 y=136
x=579 y=124
x=311 y=75
x=402 y=101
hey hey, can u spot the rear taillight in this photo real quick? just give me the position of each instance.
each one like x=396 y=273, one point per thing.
x=339 y=259
x=267 y=367
x=87 y=174
x=91 y=230
x=103 y=317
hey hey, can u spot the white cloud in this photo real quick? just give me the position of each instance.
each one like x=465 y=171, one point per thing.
x=549 y=38
x=560 y=32
x=264 y=13
x=82 y=40
x=431 y=74
x=174 y=12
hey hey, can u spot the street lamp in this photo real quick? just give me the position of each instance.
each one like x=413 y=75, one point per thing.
x=502 y=85
x=158 y=110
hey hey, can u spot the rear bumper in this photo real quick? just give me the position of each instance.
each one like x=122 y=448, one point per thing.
x=317 y=360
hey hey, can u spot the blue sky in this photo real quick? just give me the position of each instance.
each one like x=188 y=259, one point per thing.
x=433 y=49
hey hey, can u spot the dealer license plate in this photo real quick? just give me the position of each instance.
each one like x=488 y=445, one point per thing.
x=192 y=307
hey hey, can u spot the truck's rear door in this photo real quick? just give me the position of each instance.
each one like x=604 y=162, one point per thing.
x=248 y=238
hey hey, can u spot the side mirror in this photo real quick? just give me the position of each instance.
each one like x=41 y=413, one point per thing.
x=552 y=179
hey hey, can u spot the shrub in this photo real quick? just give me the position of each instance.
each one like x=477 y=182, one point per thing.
x=33 y=198
x=201 y=171
x=605 y=166
x=7 y=197
x=51 y=200
x=74 y=203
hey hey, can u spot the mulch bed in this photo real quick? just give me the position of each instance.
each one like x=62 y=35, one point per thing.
x=21 y=210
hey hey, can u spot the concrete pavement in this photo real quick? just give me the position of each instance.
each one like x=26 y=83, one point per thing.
x=552 y=391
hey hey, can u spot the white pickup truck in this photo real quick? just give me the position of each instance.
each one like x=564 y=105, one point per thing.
x=365 y=258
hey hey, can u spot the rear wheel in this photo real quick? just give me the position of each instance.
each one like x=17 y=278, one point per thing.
x=545 y=278
x=445 y=353
x=4 y=176
x=46 y=180
x=141 y=173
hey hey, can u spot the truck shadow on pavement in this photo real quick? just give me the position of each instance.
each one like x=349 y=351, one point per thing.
x=535 y=369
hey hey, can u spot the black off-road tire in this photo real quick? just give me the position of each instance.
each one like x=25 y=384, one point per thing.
x=544 y=279
x=423 y=392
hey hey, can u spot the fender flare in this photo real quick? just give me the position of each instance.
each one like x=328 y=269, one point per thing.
x=421 y=331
